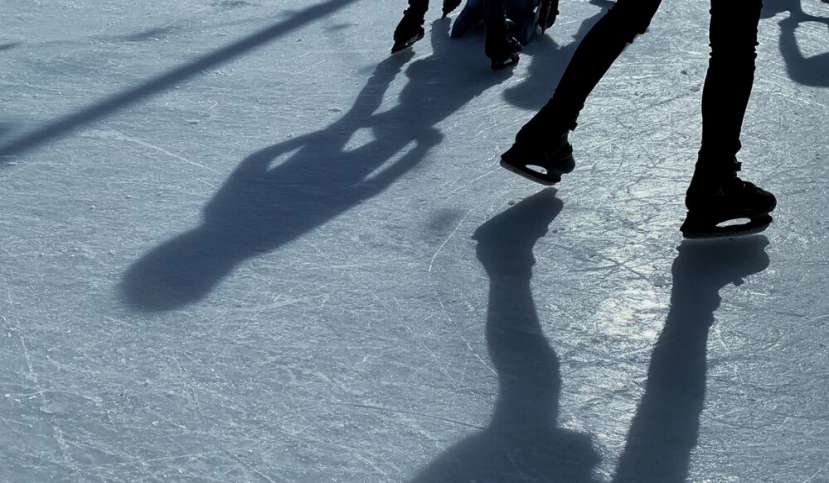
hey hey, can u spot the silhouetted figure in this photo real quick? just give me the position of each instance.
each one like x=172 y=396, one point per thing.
x=525 y=18
x=665 y=428
x=522 y=442
x=509 y=25
x=716 y=194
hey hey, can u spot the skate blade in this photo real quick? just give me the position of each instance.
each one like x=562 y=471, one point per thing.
x=548 y=179
x=400 y=46
x=566 y=163
x=700 y=229
x=499 y=64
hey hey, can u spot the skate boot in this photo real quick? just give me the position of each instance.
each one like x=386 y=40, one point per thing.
x=501 y=48
x=721 y=204
x=409 y=30
x=540 y=159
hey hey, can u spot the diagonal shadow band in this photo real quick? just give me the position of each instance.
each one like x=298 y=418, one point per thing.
x=67 y=124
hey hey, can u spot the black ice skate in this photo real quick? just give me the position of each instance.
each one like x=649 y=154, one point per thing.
x=502 y=49
x=720 y=204
x=542 y=162
x=409 y=30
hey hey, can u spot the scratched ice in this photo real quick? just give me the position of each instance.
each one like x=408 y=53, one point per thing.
x=240 y=242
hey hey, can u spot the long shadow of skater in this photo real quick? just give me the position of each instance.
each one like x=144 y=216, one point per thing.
x=665 y=427
x=269 y=201
x=811 y=71
x=522 y=441
x=548 y=60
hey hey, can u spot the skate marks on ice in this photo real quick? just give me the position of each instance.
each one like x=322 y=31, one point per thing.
x=69 y=123
x=282 y=192
x=810 y=71
x=523 y=441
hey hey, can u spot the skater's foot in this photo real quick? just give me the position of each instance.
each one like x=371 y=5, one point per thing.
x=502 y=49
x=721 y=204
x=540 y=161
x=408 y=31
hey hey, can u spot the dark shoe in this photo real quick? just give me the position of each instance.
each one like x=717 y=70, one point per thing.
x=502 y=49
x=540 y=161
x=717 y=196
x=408 y=31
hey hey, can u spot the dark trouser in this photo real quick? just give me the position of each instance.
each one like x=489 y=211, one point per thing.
x=494 y=20
x=733 y=37
x=418 y=6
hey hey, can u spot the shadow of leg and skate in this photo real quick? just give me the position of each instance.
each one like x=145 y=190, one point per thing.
x=812 y=70
x=522 y=441
x=665 y=428
x=284 y=191
x=67 y=124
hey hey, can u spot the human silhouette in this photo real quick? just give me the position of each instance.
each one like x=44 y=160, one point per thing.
x=665 y=428
x=510 y=24
x=281 y=192
x=716 y=194
x=522 y=441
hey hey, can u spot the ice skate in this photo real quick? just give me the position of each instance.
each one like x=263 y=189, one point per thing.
x=408 y=31
x=540 y=162
x=502 y=50
x=720 y=204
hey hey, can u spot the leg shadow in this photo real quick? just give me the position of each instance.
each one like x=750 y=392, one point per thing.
x=666 y=425
x=810 y=71
x=522 y=441
x=282 y=192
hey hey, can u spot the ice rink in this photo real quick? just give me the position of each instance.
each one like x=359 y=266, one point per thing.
x=241 y=242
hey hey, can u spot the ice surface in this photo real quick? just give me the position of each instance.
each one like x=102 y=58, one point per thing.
x=242 y=243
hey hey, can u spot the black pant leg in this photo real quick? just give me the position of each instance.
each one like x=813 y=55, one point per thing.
x=419 y=7
x=593 y=57
x=728 y=82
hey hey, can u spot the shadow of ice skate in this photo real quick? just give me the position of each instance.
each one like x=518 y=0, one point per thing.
x=665 y=428
x=810 y=71
x=279 y=193
x=522 y=441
